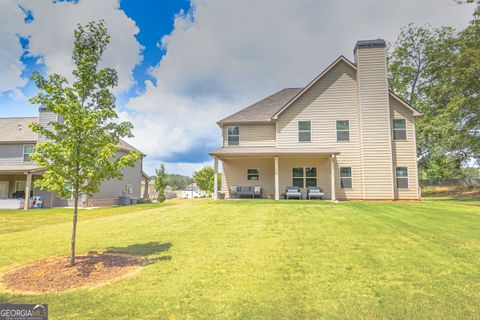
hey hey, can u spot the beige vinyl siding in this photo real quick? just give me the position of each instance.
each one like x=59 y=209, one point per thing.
x=404 y=152
x=235 y=174
x=332 y=98
x=11 y=153
x=44 y=118
x=375 y=118
x=253 y=135
x=113 y=188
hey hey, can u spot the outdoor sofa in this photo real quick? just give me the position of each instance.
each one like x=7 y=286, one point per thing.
x=247 y=191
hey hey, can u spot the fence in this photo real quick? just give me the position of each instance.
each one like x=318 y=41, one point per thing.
x=449 y=182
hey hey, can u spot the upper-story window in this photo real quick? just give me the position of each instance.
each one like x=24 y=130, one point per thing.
x=399 y=129
x=27 y=151
x=343 y=130
x=305 y=131
x=233 y=135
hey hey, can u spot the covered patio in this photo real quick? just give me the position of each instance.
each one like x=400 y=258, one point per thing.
x=16 y=181
x=274 y=169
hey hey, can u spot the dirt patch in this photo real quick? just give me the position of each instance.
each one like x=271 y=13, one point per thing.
x=55 y=275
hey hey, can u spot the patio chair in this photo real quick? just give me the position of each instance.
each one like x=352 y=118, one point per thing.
x=315 y=192
x=293 y=192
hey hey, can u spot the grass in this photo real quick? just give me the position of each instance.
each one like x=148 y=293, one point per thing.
x=264 y=259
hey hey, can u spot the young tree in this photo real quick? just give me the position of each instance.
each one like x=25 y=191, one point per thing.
x=161 y=181
x=204 y=178
x=82 y=148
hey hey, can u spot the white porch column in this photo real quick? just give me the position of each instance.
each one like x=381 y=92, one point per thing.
x=332 y=176
x=28 y=188
x=145 y=191
x=277 y=183
x=215 y=178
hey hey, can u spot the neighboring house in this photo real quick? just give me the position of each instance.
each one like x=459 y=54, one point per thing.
x=193 y=191
x=152 y=193
x=345 y=132
x=17 y=172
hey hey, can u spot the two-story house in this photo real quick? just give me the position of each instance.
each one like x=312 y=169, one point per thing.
x=17 y=172
x=345 y=132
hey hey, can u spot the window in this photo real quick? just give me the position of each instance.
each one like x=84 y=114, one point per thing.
x=27 y=151
x=343 y=130
x=20 y=186
x=128 y=190
x=402 y=177
x=346 y=177
x=304 y=131
x=399 y=129
x=233 y=135
x=253 y=174
x=304 y=177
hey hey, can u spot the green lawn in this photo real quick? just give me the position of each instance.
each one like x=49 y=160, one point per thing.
x=265 y=259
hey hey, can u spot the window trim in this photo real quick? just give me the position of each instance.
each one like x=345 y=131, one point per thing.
x=342 y=130
x=303 y=130
x=349 y=177
x=304 y=176
x=397 y=177
x=253 y=174
x=24 y=154
x=233 y=135
x=399 y=129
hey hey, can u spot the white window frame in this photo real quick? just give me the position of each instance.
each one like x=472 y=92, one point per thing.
x=304 y=176
x=24 y=153
x=349 y=178
x=304 y=131
x=342 y=130
x=399 y=129
x=253 y=174
x=397 y=177
x=16 y=185
x=233 y=135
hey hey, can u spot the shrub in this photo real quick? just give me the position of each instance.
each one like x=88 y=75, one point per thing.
x=161 y=198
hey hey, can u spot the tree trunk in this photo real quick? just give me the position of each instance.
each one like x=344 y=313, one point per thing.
x=74 y=230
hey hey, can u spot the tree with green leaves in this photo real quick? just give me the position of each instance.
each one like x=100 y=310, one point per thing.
x=437 y=71
x=178 y=182
x=82 y=145
x=204 y=178
x=161 y=181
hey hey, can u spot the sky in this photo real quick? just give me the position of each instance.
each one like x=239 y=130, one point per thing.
x=183 y=65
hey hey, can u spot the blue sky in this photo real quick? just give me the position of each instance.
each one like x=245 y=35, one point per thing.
x=183 y=65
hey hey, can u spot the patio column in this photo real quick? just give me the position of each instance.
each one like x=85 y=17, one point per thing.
x=215 y=178
x=145 y=191
x=332 y=176
x=277 y=184
x=28 y=188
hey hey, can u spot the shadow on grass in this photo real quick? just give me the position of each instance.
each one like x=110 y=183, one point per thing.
x=149 y=250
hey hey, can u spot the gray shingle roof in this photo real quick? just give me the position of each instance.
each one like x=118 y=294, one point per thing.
x=17 y=130
x=263 y=110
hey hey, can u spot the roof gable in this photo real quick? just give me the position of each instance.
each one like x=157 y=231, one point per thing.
x=313 y=82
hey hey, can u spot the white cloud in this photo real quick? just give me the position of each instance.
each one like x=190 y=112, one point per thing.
x=226 y=54
x=50 y=37
x=10 y=50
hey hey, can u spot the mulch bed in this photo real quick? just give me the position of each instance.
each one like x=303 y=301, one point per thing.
x=54 y=274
